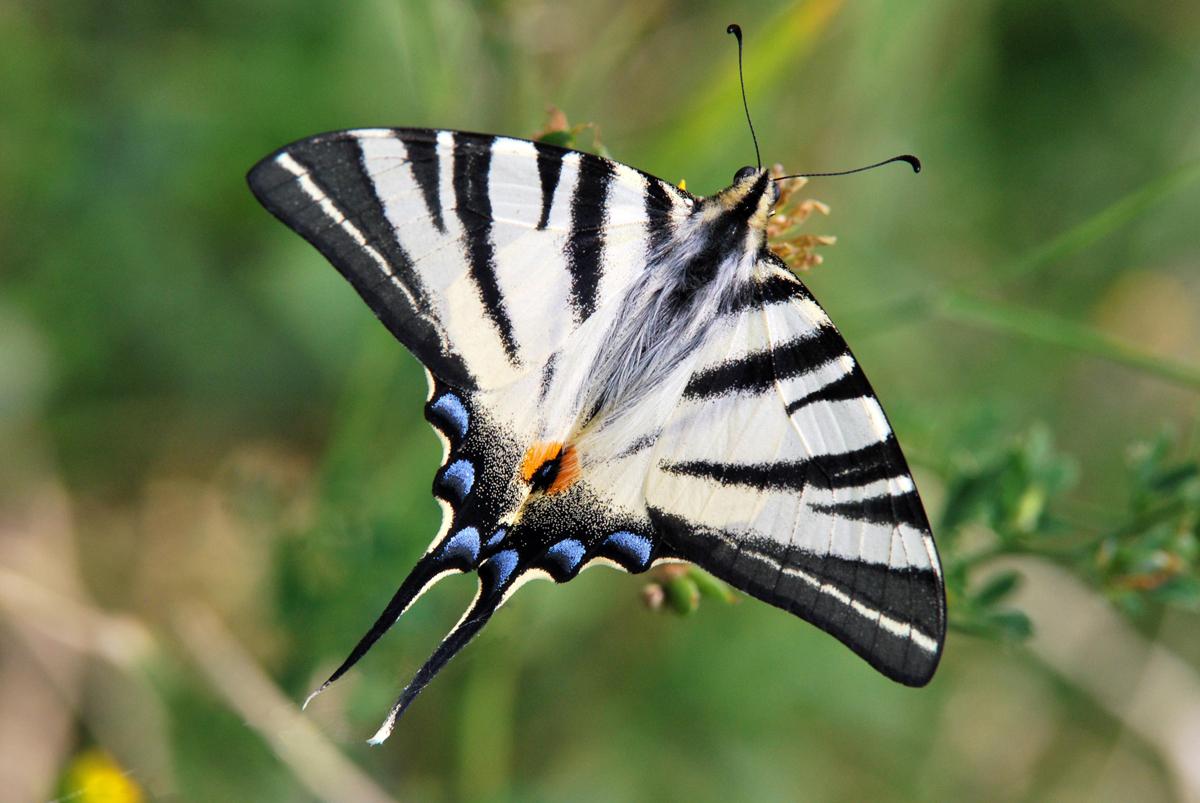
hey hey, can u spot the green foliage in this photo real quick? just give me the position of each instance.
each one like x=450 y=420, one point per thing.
x=1005 y=485
x=1003 y=501
x=1153 y=556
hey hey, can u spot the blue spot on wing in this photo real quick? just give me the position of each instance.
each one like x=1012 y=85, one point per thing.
x=504 y=562
x=496 y=538
x=631 y=545
x=459 y=476
x=567 y=553
x=452 y=410
x=464 y=544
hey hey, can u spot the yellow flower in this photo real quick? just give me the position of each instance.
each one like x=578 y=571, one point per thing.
x=94 y=777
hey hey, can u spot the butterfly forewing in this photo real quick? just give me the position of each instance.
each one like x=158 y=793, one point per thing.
x=481 y=254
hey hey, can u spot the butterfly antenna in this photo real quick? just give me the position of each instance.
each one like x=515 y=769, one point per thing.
x=908 y=158
x=736 y=30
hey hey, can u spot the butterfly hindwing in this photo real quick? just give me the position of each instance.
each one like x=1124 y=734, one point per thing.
x=779 y=473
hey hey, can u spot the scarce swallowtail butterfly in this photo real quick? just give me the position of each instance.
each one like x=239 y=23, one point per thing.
x=621 y=373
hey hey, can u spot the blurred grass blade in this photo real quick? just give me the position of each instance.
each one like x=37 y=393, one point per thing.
x=1108 y=220
x=240 y=682
x=1121 y=212
x=1049 y=328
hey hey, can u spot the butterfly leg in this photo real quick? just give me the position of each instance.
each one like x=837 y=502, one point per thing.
x=497 y=577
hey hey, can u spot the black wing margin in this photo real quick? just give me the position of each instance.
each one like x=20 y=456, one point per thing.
x=320 y=188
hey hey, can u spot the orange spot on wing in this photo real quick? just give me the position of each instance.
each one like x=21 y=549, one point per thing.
x=568 y=471
x=538 y=454
x=541 y=453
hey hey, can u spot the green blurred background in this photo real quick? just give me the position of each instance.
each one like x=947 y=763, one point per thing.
x=214 y=469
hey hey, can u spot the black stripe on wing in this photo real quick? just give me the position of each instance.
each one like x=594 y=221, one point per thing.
x=549 y=161
x=333 y=204
x=870 y=463
x=423 y=156
x=772 y=288
x=758 y=371
x=850 y=385
x=871 y=608
x=886 y=509
x=473 y=204
x=585 y=245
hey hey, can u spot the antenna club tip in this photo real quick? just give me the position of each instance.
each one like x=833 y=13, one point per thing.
x=734 y=29
x=913 y=162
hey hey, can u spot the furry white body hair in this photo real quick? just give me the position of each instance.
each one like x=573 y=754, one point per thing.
x=646 y=357
x=663 y=320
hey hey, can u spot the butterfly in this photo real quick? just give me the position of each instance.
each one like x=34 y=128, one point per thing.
x=621 y=373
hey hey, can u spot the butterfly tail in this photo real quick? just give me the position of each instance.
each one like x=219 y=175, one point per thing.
x=429 y=569
x=496 y=579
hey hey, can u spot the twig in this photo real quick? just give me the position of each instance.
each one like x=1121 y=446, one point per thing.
x=316 y=763
x=1053 y=329
x=1149 y=689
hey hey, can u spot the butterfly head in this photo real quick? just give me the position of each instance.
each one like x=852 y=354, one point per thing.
x=750 y=198
x=745 y=173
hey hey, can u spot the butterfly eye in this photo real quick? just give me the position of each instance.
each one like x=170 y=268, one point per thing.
x=744 y=173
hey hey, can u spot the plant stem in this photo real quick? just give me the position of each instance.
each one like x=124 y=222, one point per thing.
x=919 y=304
x=1101 y=224
x=1050 y=328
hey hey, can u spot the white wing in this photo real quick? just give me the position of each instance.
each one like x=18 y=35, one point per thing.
x=779 y=473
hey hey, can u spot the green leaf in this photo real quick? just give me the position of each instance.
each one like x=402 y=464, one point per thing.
x=997 y=588
x=1011 y=625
